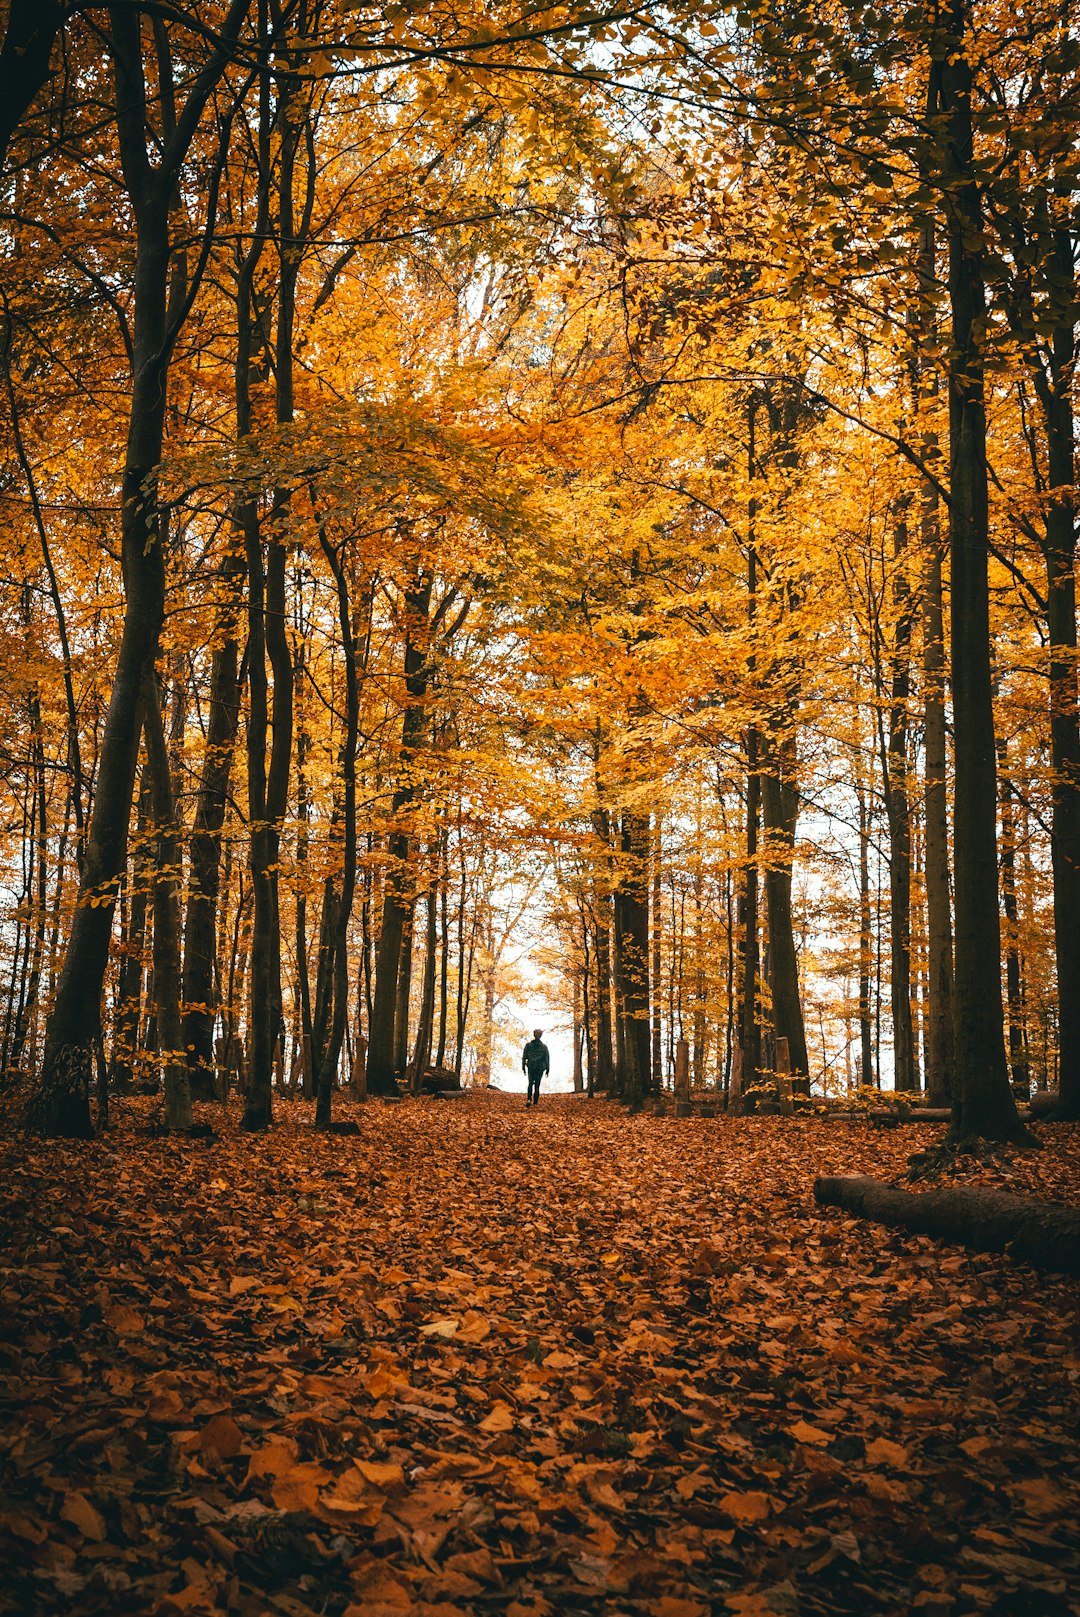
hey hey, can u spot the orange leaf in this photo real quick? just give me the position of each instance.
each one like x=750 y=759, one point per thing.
x=501 y=1418
x=751 y=1506
x=803 y=1432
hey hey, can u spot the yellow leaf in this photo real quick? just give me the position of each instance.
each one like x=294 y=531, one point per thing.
x=501 y=1418
x=441 y=1327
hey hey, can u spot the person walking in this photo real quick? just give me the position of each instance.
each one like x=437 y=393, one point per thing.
x=535 y=1061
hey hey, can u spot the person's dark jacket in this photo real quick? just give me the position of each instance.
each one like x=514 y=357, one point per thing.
x=535 y=1058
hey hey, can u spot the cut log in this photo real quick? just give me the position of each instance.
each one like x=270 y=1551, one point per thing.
x=1044 y=1234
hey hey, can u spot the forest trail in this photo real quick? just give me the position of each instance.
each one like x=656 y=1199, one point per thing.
x=483 y=1359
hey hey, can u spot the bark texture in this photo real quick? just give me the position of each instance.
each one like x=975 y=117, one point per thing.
x=1044 y=1234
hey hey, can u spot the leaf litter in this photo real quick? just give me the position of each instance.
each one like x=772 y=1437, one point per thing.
x=524 y=1363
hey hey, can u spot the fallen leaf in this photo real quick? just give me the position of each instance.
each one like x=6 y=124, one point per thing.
x=751 y=1506
x=78 y=1510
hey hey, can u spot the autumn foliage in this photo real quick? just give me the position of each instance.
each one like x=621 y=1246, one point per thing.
x=526 y=513
x=483 y=1359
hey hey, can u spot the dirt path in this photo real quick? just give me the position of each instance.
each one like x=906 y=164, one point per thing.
x=484 y=1359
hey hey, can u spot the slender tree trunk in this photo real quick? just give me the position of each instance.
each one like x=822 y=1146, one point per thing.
x=632 y=956
x=780 y=810
x=404 y=990
x=129 y=998
x=749 y=1021
x=167 y=975
x=654 y=918
x=200 y=936
x=421 y=1057
x=939 y=947
x=1060 y=555
x=602 y=909
x=61 y=1104
x=983 y=1103
x=939 y=943
x=895 y=772
x=384 y=1043
x=305 y=1031
x=343 y=908
x=867 y=1074
x=749 y=1024
x=444 y=950
x=1014 y=987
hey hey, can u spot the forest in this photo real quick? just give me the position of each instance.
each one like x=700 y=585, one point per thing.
x=565 y=515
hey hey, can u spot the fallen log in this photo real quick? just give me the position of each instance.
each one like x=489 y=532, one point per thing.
x=894 y=1117
x=1044 y=1234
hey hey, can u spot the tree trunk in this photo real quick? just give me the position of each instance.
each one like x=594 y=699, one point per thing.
x=657 y=1067
x=1060 y=555
x=343 y=907
x=632 y=956
x=425 y=1028
x=983 y=1103
x=1014 y=987
x=780 y=810
x=61 y=1105
x=602 y=911
x=867 y=1073
x=384 y=1043
x=403 y=994
x=894 y=774
x=1044 y=1234
x=200 y=936
x=129 y=996
x=167 y=976
x=939 y=943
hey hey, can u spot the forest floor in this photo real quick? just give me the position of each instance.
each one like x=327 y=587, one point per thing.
x=559 y=1361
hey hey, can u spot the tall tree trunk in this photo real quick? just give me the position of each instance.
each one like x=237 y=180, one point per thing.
x=129 y=997
x=324 y=965
x=343 y=907
x=403 y=995
x=983 y=1103
x=61 y=1103
x=632 y=956
x=384 y=1044
x=780 y=811
x=657 y=1066
x=425 y=1028
x=749 y=1024
x=1060 y=556
x=1014 y=986
x=305 y=1030
x=602 y=912
x=200 y=935
x=939 y=945
x=867 y=1073
x=939 y=942
x=894 y=776
x=167 y=976
x=268 y=642
x=444 y=947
